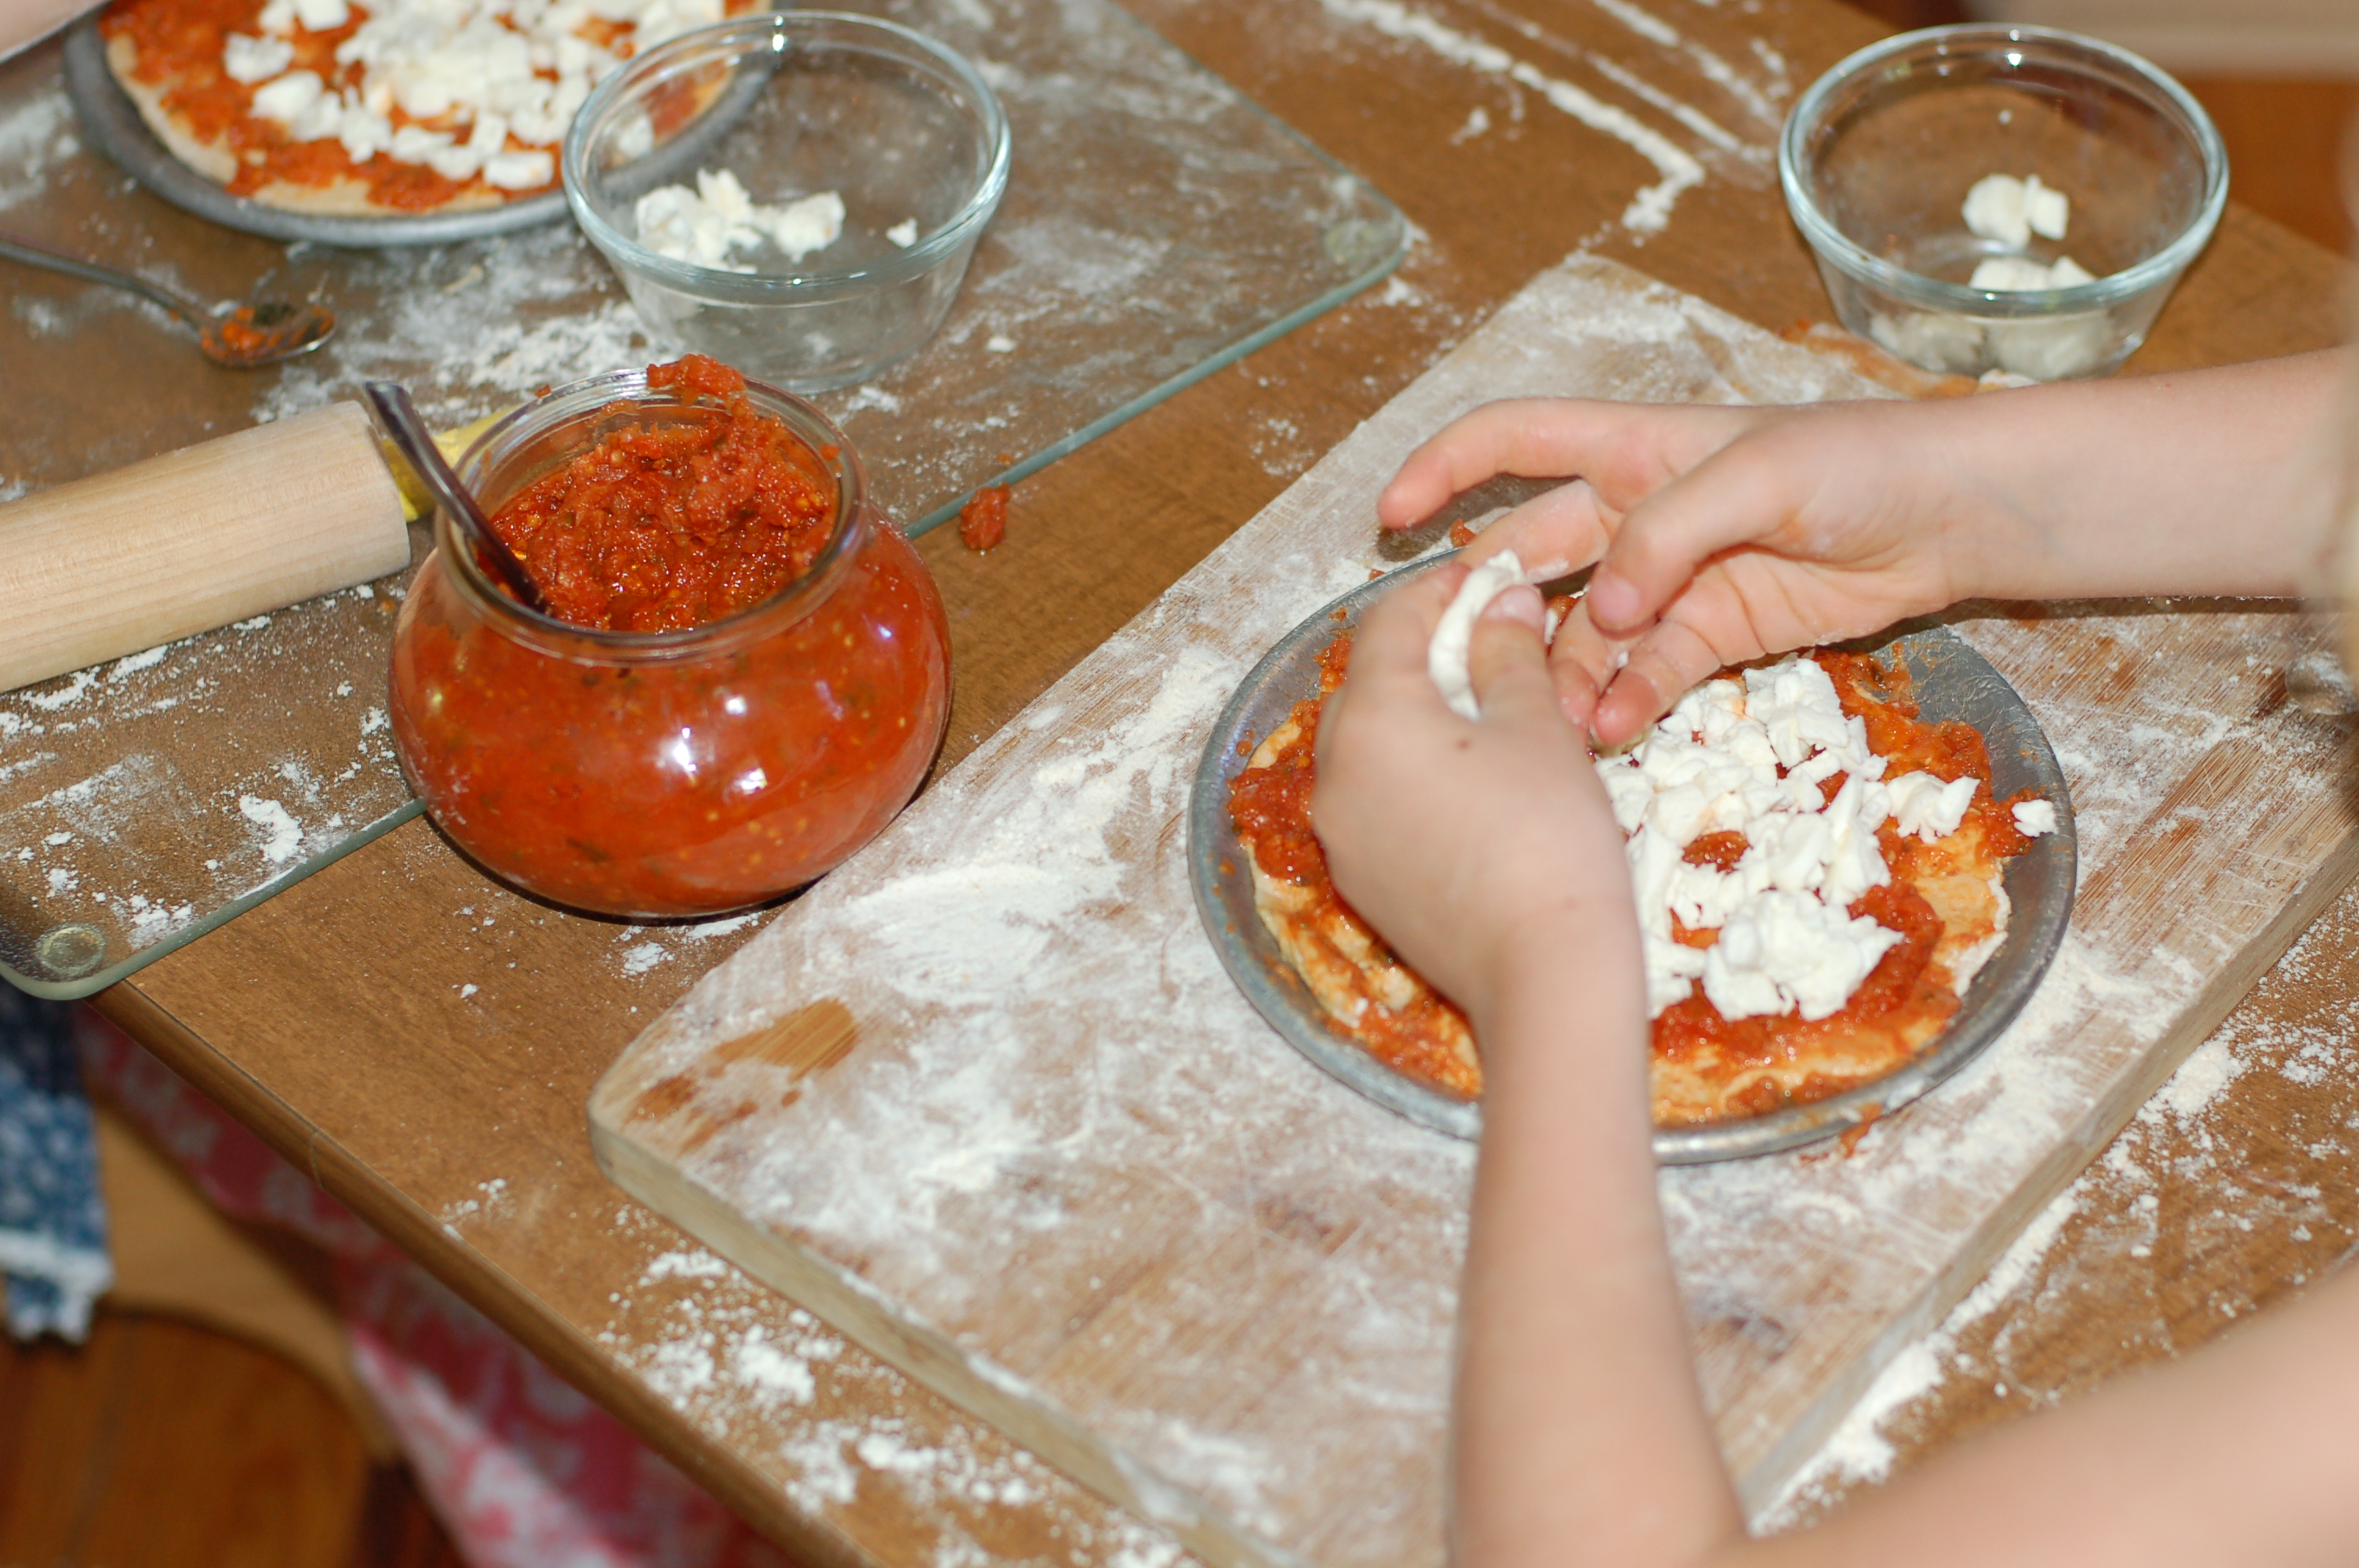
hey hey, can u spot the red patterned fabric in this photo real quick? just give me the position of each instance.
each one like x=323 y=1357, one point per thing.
x=522 y=1471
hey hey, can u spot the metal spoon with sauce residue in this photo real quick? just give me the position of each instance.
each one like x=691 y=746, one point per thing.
x=242 y=336
x=410 y=433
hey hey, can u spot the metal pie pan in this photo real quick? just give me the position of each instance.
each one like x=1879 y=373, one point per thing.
x=1950 y=682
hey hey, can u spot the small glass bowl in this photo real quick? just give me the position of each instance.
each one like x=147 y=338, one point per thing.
x=794 y=104
x=664 y=774
x=1878 y=155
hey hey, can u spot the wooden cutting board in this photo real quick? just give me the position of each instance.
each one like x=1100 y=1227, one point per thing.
x=986 y=1100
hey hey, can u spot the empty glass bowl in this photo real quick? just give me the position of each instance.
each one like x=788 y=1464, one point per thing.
x=819 y=121
x=1878 y=155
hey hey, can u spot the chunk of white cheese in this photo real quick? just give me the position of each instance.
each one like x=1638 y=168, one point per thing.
x=703 y=226
x=812 y=223
x=902 y=233
x=2009 y=211
x=2022 y=274
x=250 y=60
x=288 y=96
x=1453 y=635
x=2034 y=818
x=1928 y=806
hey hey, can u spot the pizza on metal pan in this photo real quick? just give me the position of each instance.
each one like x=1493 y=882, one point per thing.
x=1817 y=870
x=379 y=107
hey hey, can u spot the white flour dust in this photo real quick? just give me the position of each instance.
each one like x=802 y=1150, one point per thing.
x=745 y=1364
x=532 y=309
x=96 y=759
x=36 y=134
x=1650 y=209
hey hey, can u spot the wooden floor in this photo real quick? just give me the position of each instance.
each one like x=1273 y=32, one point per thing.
x=159 y=1444
x=162 y=1446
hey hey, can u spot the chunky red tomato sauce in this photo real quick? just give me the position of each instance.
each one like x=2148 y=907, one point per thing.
x=693 y=785
x=982 y=521
x=668 y=524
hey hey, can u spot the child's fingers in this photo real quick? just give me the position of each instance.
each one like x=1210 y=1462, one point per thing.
x=1393 y=632
x=1507 y=663
x=1582 y=661
x=1539 y=437
x=1557 y=533
x=1663 y=664
x=1731 y=499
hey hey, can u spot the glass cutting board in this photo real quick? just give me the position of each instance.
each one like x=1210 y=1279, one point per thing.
x=1157 y=227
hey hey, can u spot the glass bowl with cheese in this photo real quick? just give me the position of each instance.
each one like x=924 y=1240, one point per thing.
x=794 y=193
x=1999 y=198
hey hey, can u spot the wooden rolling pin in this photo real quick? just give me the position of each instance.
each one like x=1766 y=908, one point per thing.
x=194 y=539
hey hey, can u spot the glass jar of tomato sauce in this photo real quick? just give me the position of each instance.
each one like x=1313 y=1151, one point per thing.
x=671 y=773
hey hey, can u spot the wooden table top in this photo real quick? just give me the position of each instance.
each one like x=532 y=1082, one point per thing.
x=423 y=1041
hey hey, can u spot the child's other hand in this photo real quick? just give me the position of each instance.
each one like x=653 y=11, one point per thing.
x=1465 y=844
x=1720 y=535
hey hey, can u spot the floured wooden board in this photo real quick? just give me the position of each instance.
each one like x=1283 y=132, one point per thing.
x=986 y=1100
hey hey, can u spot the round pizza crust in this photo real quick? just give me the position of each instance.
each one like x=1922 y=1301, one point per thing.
x=347 y=198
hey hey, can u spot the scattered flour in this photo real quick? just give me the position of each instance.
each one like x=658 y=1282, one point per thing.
x=1650 y=209
x=282 y=834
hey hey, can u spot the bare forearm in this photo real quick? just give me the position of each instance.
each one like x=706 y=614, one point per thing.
x=1581 y=1435
x=2220 y=481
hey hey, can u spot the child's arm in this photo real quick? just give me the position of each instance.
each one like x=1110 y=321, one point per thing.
x=1486 y=854
x=1725 y=534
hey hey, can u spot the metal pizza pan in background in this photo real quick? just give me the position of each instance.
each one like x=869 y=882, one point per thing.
x=113 y=124
x=1951 y=681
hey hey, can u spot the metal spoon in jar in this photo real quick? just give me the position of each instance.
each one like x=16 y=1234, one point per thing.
x=410 y=433
x=242 y=338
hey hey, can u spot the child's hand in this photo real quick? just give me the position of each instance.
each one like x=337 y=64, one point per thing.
x=1465 y=844
x=1719 y=534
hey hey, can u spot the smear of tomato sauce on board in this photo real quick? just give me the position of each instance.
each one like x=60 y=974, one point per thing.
x=982 y=521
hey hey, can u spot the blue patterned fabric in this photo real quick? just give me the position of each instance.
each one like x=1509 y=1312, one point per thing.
x=52 y=1220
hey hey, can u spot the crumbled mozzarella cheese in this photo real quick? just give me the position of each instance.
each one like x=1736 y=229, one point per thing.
x=252 y=60
x=2021 y=274
x=1787 y=952
x=902 y=233
x=1926 y=805
x=1446 y=653
x=288 y=96
x=811 y=225
x=703 y=225
x=2009 y=211
x=473 y=66
x=2054 y=348
x=1928 y=338
x=1752 y=755
x=520 y=171
x=2034 y=818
